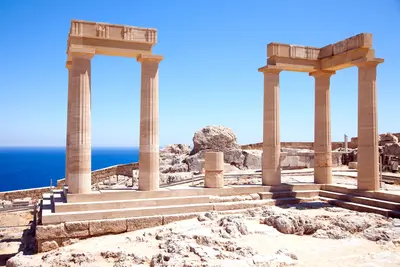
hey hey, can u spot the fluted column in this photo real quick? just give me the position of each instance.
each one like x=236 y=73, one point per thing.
x=271 y=167
x=368 y=154
x=69 y=117
x=322 y=128
x=149 y=174
x=79 y=126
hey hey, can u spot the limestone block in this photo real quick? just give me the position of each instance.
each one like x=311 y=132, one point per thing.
x=340 y=47
x=279 y=50
x=77 y=229
x=214 y=161
x=47 y=246
x=326 y=51
x=179 y=217
x=110 y=226
x=138 y=223
x=362 y=40
x=51 y=231
x=353 y=165
x=304 y=52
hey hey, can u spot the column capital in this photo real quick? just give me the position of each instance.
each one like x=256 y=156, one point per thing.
x=152 y=58
x=318 y=73
x=68 y=64
x=82 y=52
x=364 y=62
x=270 y=70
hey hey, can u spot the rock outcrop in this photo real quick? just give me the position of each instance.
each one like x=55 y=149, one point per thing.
x=215 y=138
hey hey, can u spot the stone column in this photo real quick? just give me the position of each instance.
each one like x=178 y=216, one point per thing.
x=322 y=128
x=69 y=117
x=271 y=167
x=149 y=173
x=368 y=154
x=214 y=170
x=79 y=122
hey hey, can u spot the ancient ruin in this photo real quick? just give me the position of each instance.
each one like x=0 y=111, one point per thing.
x=86 y=39
x=79 y=212
x=322 y=63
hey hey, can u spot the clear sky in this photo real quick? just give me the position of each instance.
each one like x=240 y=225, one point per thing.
x=209 y=76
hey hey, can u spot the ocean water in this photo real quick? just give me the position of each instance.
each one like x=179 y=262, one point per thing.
x=22 y=168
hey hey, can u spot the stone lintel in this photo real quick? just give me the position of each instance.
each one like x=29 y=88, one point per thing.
x=114 y=32
x=292 y=51
x=318 y=73
x=362 y=40
x=344 y=60
x=86 y=52
x=145 y=57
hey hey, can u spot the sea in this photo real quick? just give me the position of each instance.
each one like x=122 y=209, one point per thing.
x=30 y=167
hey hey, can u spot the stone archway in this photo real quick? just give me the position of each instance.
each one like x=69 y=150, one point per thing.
x=86 y=39
x=322 y=63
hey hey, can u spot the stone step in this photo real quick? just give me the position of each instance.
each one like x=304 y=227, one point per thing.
x=382 y=195
x=361 y=207
x=289 y=194
x=294 y=187
x=55 y=218
x=390 y=205
x=126 y=204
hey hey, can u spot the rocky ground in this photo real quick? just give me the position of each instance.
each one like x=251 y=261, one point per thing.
x=13 y=226
x=313 y=234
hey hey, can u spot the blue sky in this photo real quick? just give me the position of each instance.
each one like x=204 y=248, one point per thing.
x=209 y=76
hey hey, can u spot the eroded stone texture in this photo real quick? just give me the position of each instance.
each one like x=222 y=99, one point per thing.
x=138 y=223
x=112 y=226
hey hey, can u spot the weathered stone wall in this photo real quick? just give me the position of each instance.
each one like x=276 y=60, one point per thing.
x=299 y=160
x=105 y=173
x=34 y=193
x=299 y=145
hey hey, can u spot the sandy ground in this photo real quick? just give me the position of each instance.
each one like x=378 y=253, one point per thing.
x=240 y=240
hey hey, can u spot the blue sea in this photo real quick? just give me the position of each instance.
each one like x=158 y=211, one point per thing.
x=22 y=168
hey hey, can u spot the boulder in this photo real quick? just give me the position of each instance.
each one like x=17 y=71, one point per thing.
x=388 y=138
x=392 y=149
x=195 y=162
x=215 y=138
x=234 y=157
x=252 y=159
